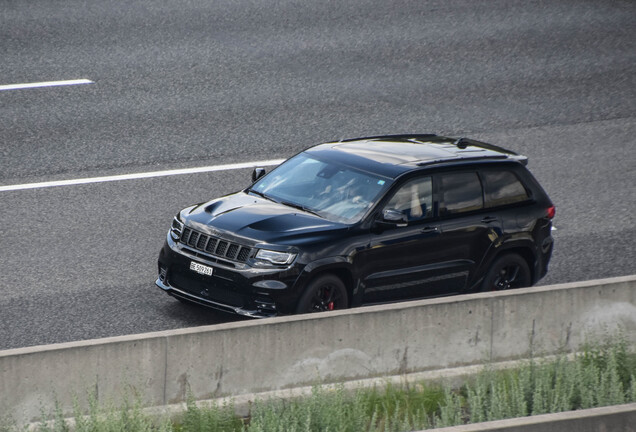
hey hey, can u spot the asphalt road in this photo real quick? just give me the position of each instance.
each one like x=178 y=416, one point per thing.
x=189 y=83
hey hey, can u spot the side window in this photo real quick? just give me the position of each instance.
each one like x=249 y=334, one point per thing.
x=503 y=187
x=414 y=198
x=462 y=192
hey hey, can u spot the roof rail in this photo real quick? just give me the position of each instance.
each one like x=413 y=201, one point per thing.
x=403 y=137
x=462 y=159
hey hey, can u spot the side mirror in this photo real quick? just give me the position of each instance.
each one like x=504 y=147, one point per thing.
x=394 y=216
x=257 y=173
x=390 y=218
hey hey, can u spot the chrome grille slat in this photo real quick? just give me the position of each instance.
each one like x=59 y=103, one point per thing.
x=215 y=246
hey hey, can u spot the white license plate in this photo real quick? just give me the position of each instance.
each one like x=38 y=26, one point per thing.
x=201 y=269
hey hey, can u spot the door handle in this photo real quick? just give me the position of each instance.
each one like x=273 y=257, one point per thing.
x=489 y=219
x=430 y=229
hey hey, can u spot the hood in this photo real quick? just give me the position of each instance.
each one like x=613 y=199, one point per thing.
x=258 y=219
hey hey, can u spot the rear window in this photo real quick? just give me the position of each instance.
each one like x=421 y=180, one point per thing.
x=502 y=188
x=462 y=192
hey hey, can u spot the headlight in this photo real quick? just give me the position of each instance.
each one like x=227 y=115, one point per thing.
x=274 y=257
x=177 y=227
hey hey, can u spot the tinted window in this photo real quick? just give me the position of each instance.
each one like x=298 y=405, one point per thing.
x=503 y=187
x=462 y=192
x=414 y=198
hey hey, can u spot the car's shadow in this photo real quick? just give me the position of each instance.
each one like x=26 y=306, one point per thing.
x=195 y=315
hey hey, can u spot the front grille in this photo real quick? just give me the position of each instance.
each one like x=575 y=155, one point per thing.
x=215 y=246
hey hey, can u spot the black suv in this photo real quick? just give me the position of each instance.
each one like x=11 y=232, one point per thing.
x=363 y=221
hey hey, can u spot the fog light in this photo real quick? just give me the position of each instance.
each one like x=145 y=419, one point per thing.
x=265 y=306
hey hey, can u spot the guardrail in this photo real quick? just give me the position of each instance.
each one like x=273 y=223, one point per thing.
x=272 y=354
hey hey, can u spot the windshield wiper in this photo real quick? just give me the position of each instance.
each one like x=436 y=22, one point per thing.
x=261 y=194
x=287 y=203
x=300 y=207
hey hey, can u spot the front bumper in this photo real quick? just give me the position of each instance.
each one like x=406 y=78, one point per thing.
x=233 y=287
x=212 y=304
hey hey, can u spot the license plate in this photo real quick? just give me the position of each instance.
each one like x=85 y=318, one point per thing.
x=201 y=269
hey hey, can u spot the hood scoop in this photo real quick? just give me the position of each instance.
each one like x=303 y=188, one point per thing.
x=288 y=222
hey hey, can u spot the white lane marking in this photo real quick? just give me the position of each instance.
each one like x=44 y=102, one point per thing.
x=45 y=84
x=144 y=175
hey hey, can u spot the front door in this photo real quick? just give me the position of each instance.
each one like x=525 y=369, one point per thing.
x=403 y=261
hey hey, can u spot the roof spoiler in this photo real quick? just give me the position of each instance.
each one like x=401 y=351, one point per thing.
x=462 y=143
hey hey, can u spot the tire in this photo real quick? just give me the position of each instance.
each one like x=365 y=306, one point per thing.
x=507 y=272
x=326 y=292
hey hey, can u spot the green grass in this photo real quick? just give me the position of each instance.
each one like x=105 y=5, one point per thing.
x=603 y=374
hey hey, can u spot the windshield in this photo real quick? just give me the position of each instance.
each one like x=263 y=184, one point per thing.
x=335 y=192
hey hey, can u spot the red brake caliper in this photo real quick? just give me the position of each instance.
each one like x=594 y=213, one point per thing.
x=330 y=304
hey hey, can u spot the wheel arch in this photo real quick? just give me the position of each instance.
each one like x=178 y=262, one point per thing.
x=527 y=254
x=341 y=268
x=523 y=249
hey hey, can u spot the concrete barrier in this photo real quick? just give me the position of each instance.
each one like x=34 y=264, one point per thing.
x=265 y=355
x=619 y=418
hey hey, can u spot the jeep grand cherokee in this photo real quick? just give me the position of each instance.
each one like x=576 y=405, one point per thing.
x=362 y=221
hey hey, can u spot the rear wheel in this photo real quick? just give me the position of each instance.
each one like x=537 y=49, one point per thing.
x=324 y=293
x=507 y=272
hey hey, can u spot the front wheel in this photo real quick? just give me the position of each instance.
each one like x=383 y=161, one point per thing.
x=324 y=293
x=507 y=272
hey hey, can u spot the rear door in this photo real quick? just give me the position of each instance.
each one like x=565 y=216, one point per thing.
x=469 y=229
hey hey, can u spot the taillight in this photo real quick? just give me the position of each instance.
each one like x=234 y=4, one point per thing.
x=551 y=212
